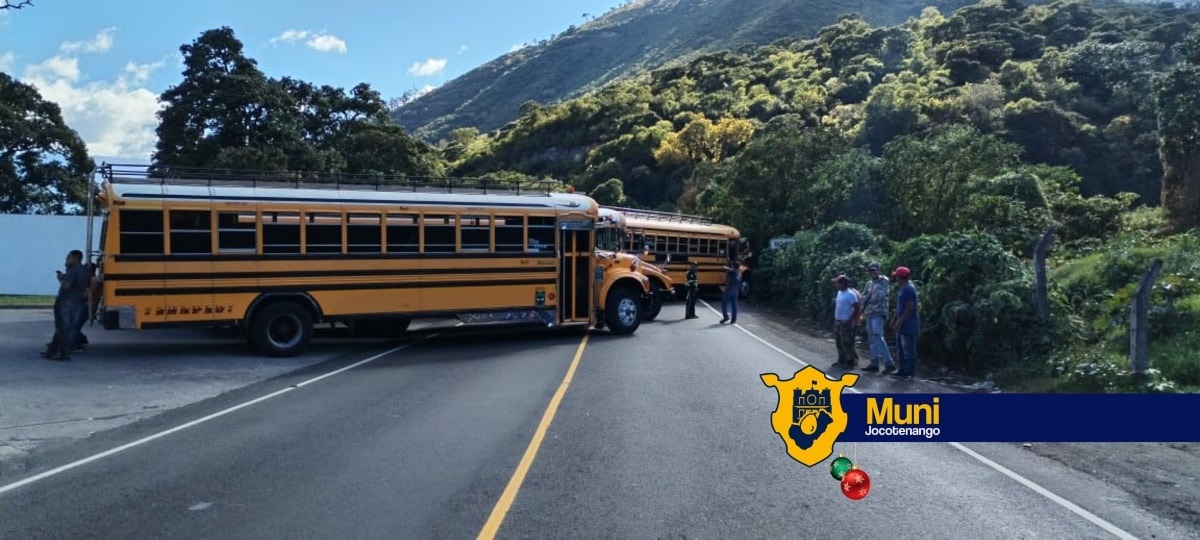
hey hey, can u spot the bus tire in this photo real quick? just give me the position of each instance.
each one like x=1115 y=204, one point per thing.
x=623 y=310
x=654 y=301
x=744 y=293
x=281 y=329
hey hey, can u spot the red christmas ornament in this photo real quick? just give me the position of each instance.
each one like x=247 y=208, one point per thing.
x=856 y=484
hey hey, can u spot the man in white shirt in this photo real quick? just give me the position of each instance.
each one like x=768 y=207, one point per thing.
x=847 y=309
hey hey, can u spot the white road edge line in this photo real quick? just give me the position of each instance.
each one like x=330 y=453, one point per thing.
x=198 y=421
x=1093 y=518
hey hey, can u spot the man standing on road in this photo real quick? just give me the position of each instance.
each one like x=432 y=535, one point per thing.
x=733 y=285
x=847 y=309
x=907 y=324
x=692 y=285
x=71 y=286
x=875 y=307
x=78 y=339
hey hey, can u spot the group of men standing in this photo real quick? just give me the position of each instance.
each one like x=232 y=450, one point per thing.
x=852 y=309
x=71 y=308
x=729 y=299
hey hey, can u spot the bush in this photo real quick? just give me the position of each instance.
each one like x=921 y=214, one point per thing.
x=1099 y=370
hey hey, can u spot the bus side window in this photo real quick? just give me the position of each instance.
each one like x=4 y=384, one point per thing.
x=403 y=233
x=191 y=232
x=364 y=234
x=237 y=232
x=693 y=246
x=541 y=234
x=323 y=233
x=439 y=234
x=475 y=233
x=141 y=232
x=510 y=234
x=281 y=232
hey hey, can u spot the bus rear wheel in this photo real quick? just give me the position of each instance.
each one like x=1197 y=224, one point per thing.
x=623 y=310
x=281 y=329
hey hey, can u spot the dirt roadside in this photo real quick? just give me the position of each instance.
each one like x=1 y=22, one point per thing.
x=1162 y=477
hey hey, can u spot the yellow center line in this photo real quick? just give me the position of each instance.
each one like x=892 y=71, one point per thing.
x=514 y=484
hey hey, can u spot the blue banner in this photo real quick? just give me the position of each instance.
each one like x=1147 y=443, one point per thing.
x=1021 y=417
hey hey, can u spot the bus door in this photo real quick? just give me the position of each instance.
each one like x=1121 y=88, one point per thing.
x=576 y=258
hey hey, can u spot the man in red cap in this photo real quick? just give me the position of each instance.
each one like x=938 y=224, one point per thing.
x=847 y=309
x=907 y=323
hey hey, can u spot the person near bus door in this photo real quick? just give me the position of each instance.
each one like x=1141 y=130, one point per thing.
x=71 y=287
x=693 y=284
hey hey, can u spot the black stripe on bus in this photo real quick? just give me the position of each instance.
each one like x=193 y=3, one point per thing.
x=158 y=257
x=201 y=323
x=326 y=273
x=390 y=202
x=182 y=291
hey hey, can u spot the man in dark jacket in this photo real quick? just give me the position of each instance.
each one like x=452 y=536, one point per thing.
x=71 y=287
x=693 y=284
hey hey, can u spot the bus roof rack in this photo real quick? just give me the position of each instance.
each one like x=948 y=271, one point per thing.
x=212 y=177
x=657 y=215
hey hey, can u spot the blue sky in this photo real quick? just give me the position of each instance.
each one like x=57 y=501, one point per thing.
x=106 y=61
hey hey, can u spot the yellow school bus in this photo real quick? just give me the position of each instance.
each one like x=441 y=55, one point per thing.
x=610 y=236
x=672 y=241
x=274 y=255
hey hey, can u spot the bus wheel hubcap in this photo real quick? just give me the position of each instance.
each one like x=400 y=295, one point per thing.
x=284 y=331
x=627 y=311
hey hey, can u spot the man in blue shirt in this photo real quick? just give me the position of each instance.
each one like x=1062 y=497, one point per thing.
x=847 y=309
x=907 y=323
x=733 y=285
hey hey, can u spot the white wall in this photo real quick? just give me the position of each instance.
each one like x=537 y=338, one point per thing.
x=32 y=247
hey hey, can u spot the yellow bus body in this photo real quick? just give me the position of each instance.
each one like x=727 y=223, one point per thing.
x=672 y=242
x=176 y=254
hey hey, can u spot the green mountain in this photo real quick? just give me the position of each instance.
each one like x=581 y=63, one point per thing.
x=637 y=36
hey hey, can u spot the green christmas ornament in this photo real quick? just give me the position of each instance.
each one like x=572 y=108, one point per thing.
x=840 y=466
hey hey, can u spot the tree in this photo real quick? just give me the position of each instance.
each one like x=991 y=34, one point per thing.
x=43 y=163
x=609 y=193
x=1177 y=96
x=227 y=114
x=224 y=107
x=8 y=4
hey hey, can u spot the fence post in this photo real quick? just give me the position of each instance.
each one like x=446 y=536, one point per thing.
x=1040 y=298
x=1139 y=322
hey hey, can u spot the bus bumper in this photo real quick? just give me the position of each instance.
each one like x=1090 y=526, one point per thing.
x=120 y=318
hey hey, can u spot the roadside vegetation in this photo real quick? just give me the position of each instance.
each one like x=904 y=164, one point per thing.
x=948 y=144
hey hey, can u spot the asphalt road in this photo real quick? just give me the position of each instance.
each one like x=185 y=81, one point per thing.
x=662 y=434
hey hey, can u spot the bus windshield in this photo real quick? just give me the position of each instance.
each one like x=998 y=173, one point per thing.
x=609 y=238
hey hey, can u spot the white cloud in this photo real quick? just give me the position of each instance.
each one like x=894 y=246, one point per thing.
x=54 y=68
x=141 y=72
x=432 y=66
x=327 y=43
x=115 y=119
x=101 y=43
x=6 y=61
x=462 y=49
x=290 y=36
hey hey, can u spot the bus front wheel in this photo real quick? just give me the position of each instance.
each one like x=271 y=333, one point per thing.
x=281 y=329
x=623 y=311
x=654 y=302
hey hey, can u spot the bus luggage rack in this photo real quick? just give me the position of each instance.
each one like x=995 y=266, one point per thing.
x=661 y=216
x=192 y=176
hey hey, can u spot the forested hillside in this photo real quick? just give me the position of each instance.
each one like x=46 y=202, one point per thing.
x=635 y=36
x=947 y=144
